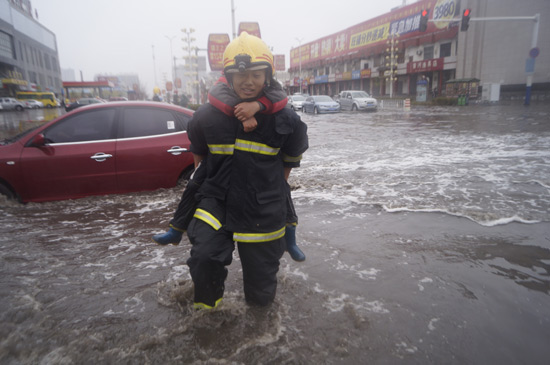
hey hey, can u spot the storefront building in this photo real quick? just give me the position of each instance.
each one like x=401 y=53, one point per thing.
x=389 y=55
x=29 y=59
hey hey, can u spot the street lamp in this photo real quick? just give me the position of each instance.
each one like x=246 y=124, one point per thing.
x=189 y=48
x=391 y=61
x=172 y=59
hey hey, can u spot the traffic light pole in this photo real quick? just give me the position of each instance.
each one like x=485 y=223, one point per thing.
x=530 y=70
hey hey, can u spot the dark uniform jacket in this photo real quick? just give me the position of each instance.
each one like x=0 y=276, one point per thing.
x=245 y=190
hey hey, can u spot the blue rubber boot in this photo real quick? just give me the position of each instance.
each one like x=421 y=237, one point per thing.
x=171 y=237
x=293 y=250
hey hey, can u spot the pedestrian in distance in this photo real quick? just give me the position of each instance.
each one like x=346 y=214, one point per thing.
x=242 y=199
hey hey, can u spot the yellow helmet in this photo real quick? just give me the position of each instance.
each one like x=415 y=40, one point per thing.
x=247 y=52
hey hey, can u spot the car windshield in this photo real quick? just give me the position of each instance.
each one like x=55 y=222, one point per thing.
x=360 y=94
x=298 y=98
x=322 y=98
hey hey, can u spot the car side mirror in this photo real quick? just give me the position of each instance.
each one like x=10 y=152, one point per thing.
x=38 y=141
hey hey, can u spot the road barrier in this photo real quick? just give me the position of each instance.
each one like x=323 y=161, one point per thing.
x=391 y=104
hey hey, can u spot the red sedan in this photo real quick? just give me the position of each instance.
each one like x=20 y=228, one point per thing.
x=107 y=148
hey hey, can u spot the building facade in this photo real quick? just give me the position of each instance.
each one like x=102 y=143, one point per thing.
x=390 y=55
x=29 y=57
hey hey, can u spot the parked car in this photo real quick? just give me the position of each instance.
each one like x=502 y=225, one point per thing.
x=106 y=148
x=320 y=104
x=11 y=104
x=118 y=98
x=357 y=100
x=33 y=104
x=82 y=102
x=295 y=102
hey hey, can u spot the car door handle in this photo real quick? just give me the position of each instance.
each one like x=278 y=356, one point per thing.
x=177 y=150
x=100 y=156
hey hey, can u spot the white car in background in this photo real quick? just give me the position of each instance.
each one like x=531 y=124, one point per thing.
x=33 y=104
x=295 y=102
x=357 y=100
x=11 y=104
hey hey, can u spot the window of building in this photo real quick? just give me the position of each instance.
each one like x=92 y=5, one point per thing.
x=6 y=46
x=47 y=61
x=428 y=52
x=445 y=50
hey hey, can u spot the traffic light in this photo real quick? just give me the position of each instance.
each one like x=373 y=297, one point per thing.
x=465 y=20
x=424 y=20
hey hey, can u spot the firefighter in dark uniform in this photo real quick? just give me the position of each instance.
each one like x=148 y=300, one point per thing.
x=243 y=197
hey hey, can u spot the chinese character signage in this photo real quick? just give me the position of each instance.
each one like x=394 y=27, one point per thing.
x=216 y=47
x=404 y=21
x=279 y=60
x=435 y=64
x=250 y=28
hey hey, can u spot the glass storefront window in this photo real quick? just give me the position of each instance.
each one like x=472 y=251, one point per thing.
x=6 y=45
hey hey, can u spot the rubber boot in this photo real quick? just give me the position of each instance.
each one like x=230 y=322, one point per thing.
x=171 y=237
x=293 y=250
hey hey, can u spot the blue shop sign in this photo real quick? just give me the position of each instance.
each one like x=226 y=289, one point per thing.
x=321 y=79
x=355 y=74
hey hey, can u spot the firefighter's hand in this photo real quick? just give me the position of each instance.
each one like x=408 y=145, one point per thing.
x=250 y=124
x=246 y=110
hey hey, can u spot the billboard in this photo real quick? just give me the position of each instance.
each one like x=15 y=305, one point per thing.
x=251 y=28
x=373 y=34
x=216 y=47
x=279 y=61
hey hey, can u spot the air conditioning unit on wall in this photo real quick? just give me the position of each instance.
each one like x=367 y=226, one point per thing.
x=419 y=52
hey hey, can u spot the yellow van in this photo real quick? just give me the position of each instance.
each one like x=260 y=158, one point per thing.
x=47 y=98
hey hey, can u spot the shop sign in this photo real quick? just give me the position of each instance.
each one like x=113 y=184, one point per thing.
x=339 y=77
x=355 y=74
x=331 y=77
x=323 y=79
x=435 y=64
x=252 y=28
x=346 y=75
x=365 y=74
x=279 y=60
x=216 y=47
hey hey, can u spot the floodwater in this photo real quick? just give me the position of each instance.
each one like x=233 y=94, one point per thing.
x=427 y=237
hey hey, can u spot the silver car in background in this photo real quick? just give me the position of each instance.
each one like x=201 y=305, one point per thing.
x=357 y=100
x=295 y=102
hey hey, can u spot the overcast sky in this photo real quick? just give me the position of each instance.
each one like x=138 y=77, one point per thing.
x=117 y=36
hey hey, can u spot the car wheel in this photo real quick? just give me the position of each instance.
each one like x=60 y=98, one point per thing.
x=185 y=176
x=316 y=110
x=5 y=191
x=354 y=108
x=18 y=108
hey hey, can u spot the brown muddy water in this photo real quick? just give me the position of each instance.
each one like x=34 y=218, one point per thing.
x=427 y=238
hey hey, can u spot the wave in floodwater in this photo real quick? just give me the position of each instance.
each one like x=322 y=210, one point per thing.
x=489 y=165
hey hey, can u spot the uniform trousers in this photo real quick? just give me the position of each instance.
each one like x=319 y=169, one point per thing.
x=213 y=250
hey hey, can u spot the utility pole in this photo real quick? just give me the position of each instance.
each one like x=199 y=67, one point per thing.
x=188 y=62
x=391 y=61
x=171 y=61
x=233 y=19
x=154 y=65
